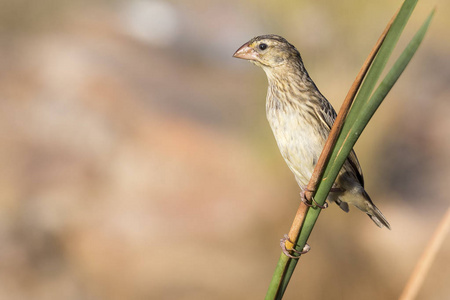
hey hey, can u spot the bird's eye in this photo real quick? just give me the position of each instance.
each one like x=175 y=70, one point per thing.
x=262 y=46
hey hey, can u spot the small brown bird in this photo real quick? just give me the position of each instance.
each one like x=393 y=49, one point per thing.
x=301 y=119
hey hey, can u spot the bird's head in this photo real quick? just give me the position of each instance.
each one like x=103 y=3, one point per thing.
x=268 y=51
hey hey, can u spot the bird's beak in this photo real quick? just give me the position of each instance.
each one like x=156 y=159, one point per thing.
x=246 y=52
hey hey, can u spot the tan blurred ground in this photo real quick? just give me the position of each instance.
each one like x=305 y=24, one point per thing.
x=136 y=162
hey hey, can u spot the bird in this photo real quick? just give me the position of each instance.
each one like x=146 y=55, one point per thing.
x=301 y=119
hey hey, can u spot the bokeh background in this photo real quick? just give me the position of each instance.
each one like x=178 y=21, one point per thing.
x=136 y=161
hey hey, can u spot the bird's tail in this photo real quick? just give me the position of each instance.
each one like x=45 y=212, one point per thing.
x=377 y=217
x=375 y=214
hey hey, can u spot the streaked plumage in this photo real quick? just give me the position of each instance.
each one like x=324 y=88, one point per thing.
x=301 y=119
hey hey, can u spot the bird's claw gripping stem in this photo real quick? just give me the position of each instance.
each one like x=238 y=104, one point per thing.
x=307 y=203
x=286 y=251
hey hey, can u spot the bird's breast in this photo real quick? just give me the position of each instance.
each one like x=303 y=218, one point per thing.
x=298 y=139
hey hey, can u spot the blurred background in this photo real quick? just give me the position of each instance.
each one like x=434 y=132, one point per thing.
x=136 y=161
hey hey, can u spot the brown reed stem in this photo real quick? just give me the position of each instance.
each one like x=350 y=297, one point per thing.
x=423 y=265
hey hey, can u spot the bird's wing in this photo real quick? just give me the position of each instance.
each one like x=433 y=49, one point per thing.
x=327 y=115
x=354 y=163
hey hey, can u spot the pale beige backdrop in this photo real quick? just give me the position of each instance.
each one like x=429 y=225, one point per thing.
x=136 y=161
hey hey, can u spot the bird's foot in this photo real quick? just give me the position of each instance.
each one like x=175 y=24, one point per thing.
x=308 y=203
x=336 y=190
x=303 y=197
x=286 y=251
